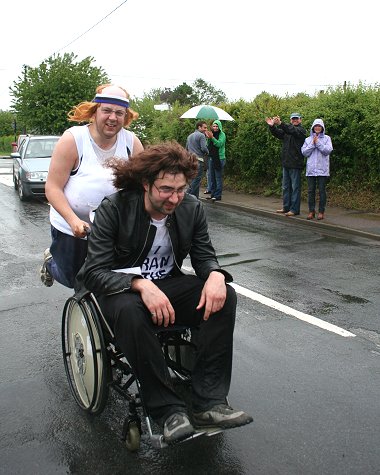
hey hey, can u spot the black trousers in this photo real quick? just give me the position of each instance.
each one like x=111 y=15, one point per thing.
x=135 y=335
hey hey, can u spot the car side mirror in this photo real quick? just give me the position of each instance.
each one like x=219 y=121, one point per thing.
x=15 y=155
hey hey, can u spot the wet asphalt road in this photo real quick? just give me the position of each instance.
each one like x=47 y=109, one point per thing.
x=313 y=394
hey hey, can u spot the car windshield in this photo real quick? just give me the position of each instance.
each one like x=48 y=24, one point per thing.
x=42 y=148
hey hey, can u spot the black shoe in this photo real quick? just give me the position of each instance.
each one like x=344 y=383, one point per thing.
x=177 y=427
x=207 y=192
x=222 y=416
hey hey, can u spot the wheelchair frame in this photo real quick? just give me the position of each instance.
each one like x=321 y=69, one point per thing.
x=93 y=364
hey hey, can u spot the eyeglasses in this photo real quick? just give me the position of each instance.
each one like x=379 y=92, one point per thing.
x=167 y=191
x=295 y=118
x=120 y=113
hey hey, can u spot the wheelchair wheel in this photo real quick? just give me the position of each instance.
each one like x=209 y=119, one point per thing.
x=84 y=353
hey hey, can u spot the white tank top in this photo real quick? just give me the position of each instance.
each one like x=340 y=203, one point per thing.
x=91 y=181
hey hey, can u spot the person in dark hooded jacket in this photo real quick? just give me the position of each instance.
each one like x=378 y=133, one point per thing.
x=292 y=136
x=217 y=160
x=317 y=149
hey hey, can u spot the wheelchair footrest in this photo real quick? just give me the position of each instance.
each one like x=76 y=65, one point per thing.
x=158 y=441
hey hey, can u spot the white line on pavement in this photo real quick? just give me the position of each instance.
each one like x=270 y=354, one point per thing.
x=291 y=311
x=288 y=310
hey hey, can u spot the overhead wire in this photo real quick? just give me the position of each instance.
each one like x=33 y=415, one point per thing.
x=89 y=29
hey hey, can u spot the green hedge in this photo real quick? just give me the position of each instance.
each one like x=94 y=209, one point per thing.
x=6 y=144
x=351 y=116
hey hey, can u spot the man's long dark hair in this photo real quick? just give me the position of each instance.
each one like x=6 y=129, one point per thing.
x=144 y=167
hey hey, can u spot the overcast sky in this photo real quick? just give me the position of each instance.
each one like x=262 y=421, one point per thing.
x=240 y=46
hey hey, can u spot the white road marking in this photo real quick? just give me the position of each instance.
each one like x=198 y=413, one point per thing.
x=287 y=310
x=291 y=311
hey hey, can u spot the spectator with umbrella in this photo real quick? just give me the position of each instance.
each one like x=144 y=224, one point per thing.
x=217 y=146
x=216 y=141
x=196 y=143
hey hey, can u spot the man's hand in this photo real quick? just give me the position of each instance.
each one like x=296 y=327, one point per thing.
x=213 y=294
x=209 y=134
x=269 y=121
x=155 y=301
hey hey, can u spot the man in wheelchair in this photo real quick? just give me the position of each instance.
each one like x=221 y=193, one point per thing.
x=139 y=239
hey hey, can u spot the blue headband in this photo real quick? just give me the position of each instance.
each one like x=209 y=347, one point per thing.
x=108 y=99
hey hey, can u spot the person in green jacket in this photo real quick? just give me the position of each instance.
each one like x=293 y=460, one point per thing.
x=217 y=160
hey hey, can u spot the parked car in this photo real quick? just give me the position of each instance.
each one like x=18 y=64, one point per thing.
x=20 y=140
x=31 y=165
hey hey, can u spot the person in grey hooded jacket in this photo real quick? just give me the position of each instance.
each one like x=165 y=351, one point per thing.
x=317 y=149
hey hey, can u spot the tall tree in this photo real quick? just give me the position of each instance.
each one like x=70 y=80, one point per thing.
x=199 y=92
x=207 y=94
x=183 y=94
x=43 y=96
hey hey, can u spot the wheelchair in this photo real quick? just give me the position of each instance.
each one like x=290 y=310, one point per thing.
x=94 y=365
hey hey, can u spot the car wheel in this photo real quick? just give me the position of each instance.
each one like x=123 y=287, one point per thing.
x=21 y=193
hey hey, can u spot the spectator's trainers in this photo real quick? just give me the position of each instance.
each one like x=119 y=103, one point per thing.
x=177 y=427
x=222 y=416
x=46 y=278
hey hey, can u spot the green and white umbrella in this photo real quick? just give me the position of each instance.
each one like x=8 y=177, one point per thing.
x=205 y=111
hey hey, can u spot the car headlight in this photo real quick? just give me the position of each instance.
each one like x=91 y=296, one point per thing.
x=36 y=176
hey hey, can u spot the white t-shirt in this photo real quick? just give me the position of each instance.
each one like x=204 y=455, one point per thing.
x=91 y=181
x=159 y=262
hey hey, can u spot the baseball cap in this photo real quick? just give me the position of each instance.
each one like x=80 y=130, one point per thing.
x=295 y=115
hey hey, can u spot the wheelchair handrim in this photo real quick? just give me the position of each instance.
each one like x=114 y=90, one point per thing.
x=83 y=365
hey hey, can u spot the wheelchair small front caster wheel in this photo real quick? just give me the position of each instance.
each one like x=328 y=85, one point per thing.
x=133 y=436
